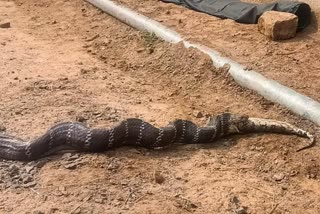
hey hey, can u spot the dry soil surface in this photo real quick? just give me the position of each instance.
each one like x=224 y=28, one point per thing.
x=67 y=61
x=293 y=63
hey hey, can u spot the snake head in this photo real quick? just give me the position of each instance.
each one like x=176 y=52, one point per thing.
x=238 y=124
x=230 y=123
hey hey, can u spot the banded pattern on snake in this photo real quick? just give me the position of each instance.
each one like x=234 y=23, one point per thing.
x=136 y=132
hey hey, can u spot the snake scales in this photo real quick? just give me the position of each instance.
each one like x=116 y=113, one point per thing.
x=137 y=132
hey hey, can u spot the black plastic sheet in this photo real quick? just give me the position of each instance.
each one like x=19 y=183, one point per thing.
x=248 y=13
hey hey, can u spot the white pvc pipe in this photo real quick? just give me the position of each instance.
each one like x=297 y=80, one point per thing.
x=270 y=89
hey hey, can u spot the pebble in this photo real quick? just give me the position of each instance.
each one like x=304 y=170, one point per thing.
x=197 y=114
x=140 y=50
x=98 y=200
x=92 y=38
x=71 y=165
x=150 y=50
x=28 y=169
x=13 y=170
x=63 y=190
x=312 y=176
x=241 y=210
x=2 y=128
x=66 y=156
x=284 y=187
x=113 y=166
x=70 y=157
x=5 y=25
x=235 y=200
x=278 y=177
x=30 y=184
x=38 y=212
x=159 y=179
x=84 y=71
x=26 y=178
x=185 y=203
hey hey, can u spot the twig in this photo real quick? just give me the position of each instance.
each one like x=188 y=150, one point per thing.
x=84 y=201
x=6 y=191
x=139 y=199
x=262 y=190
x=287 y=53
x=34 y=191
x=129 y=195
x=274 y=208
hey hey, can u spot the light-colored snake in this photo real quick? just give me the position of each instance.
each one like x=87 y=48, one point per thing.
x=136 y=132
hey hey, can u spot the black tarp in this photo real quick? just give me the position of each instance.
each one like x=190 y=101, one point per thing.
x=248 y=13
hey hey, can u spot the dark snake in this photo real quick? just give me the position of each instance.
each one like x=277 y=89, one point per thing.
x=136 y=132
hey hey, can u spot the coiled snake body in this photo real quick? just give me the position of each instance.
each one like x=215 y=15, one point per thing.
x=137 y=132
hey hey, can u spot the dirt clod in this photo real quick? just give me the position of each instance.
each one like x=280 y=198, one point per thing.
x=5 y=25
x=278 y=176
x=158 y=177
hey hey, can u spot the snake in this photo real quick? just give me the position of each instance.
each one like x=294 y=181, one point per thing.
x=136 y=132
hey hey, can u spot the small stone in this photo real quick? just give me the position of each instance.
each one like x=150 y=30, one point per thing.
x=77 y=211
x=159 y=179
x=197 y=114
x=241 y=210
x=86 y=46
x=140 y=50
x=103 y=57
x=26 y=178
x=294 y=173
x=63 y=190
x=74 y=157
x=185 y=203
x=19 y=112
x=98 y=200
x=92 y=38
x=80 y=118
x=278 y=177
x=2 y=128
x=13 y=170
x=259 y=148
x=284 y=187
x=124 y=183
x=30 y=184
x=150 y=50
x=84 y=71
x=37 y=212
x=71 y=166
x=29 y=169
x=66 y=156
x=5 y=25
x=313 y=176
x=278 y=25
x=235 y=200
x=53 y=210
x=97 y=113
x=113 y=166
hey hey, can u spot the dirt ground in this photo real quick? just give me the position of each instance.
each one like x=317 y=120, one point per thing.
x=293 y=63
x=65 y=61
